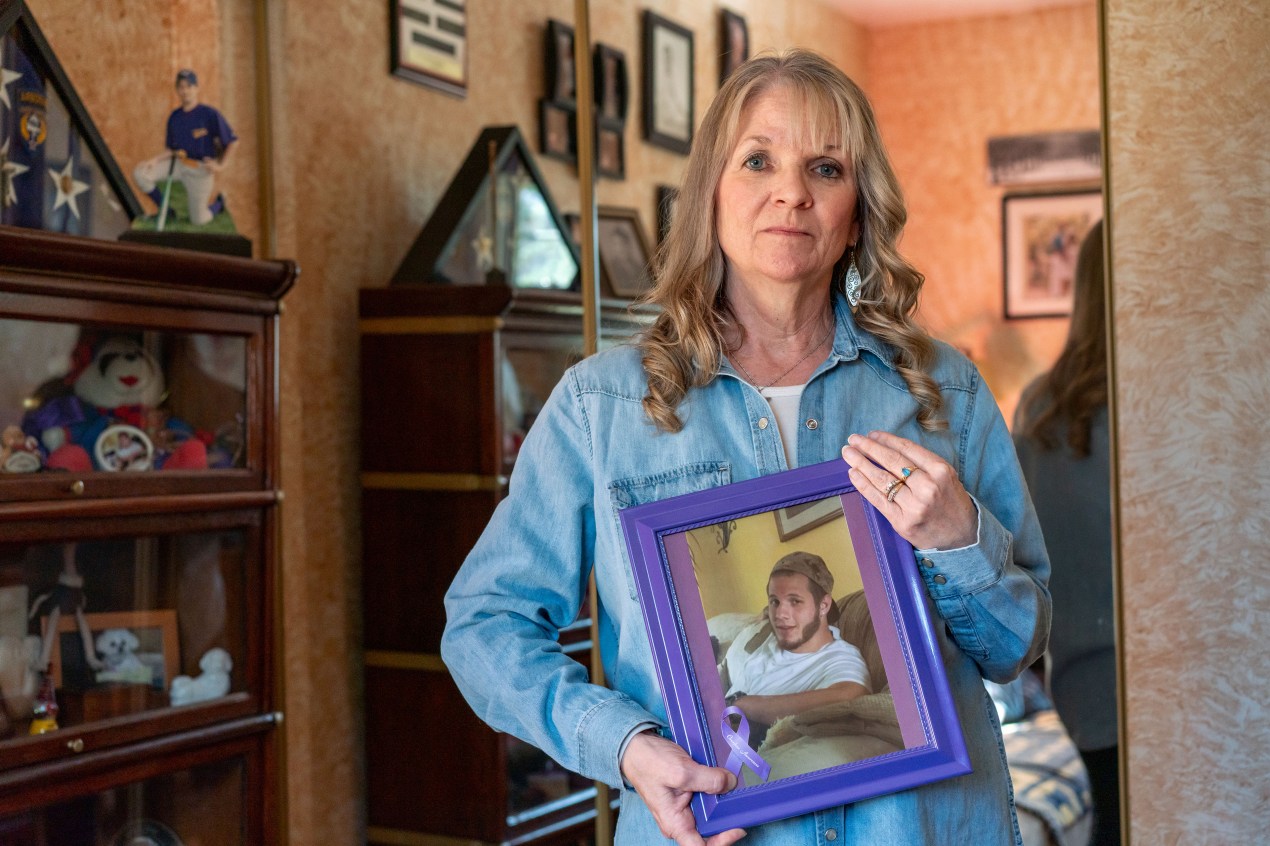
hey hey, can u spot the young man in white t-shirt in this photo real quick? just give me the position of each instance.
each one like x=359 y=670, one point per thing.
x=793 y=660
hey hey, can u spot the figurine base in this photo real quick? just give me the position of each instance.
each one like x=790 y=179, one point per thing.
x=229 y=244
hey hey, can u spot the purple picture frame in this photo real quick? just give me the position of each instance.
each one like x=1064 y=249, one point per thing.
x=670 y=589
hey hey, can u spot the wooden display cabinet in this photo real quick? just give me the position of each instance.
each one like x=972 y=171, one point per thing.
x=452 y=378
x=160 y=546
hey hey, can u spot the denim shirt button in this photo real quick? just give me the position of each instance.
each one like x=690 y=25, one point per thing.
x=926 y=562
x=831 y=834
x=812 y=423
x=762 y=422
x=940 y=579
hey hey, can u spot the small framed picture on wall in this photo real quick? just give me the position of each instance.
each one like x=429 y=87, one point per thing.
x=428 y=41
x=611 y=95
x=557 y=131
x=668 y=75
x=1041 y=235
x=558 y=63
x=734 y=37
x=624 y=252
x=610 y=148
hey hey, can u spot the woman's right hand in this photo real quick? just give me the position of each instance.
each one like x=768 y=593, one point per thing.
x=665 y=777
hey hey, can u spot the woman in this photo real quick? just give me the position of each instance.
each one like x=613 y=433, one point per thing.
x=1061 y=432
x=787 y=220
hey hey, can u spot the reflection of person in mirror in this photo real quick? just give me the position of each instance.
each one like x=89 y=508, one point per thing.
x=793 y=660
x=1061 y=432
x=781 y=269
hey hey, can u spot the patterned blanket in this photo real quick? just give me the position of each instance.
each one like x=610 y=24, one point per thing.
x=1049 y=778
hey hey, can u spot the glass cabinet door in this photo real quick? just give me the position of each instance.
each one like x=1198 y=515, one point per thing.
x=108 y=640
x=204 y=804
x=119 y=402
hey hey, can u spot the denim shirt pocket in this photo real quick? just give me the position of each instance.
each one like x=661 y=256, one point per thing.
x=641 y=490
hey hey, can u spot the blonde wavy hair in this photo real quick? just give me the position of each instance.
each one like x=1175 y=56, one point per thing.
x=682 y=348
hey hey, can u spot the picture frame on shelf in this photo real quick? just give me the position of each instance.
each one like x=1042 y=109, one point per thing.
x=560 y=73
x=150 y=657
x=557 y=131
x=624 y=252
x=612 y=92
x=734 y=38
x=1041 y=234
x=702 y=600
x=610 y=148
x=428 y=44
x=668 y=83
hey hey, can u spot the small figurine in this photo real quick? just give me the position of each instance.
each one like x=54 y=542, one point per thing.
x=66 y=598
x=213 y=682
x=19 y=452
x=199 y=141
x=102 y=424
x=44 y=711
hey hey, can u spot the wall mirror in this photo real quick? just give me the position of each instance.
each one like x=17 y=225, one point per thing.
x=955 y=228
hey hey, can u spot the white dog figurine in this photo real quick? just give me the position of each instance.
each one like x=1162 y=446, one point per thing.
x=211 y=683
x=118 y=648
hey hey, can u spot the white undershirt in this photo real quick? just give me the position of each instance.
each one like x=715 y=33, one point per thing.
x=784 y=403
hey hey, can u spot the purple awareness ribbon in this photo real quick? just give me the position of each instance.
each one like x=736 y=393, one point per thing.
x=739 y=741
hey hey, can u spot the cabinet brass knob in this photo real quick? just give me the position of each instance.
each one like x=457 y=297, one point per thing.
x=76 y=745
x=77 y=487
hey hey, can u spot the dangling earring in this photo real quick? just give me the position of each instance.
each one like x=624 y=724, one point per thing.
x=853 y=283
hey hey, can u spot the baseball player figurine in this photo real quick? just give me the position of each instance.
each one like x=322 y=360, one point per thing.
x=199 y=141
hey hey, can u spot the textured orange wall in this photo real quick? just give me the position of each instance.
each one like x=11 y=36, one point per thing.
x=1189 y=168
x=941 y=90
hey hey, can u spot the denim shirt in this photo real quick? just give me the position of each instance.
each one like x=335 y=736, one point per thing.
x=592 y=452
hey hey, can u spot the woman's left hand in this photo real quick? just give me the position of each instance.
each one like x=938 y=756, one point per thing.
x=929 y=508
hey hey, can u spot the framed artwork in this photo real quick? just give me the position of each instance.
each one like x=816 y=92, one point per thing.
x=666 y=197
x=137 y=647
x=794 y=520
x=1041 y=236
x=560 y=75
x=610 y=148
x=1046 y=157
x=668 y=94
x=705 y=610
x=624 y=252
x=557 y=130
x=734 y=38
x=611 y=88
x=428 y=41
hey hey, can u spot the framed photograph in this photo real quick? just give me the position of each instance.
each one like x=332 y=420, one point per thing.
x=137 y=647
x=557 y=131
x=610 y=148
x=734 y=41
x=624 y=253
x=668 y=94
x=713 y=575
x=1046 y=157
x=429 y=43
x=611 y=91
x=1040 y=236
x=794 y=520
x=666 y=197
x=558 y=55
